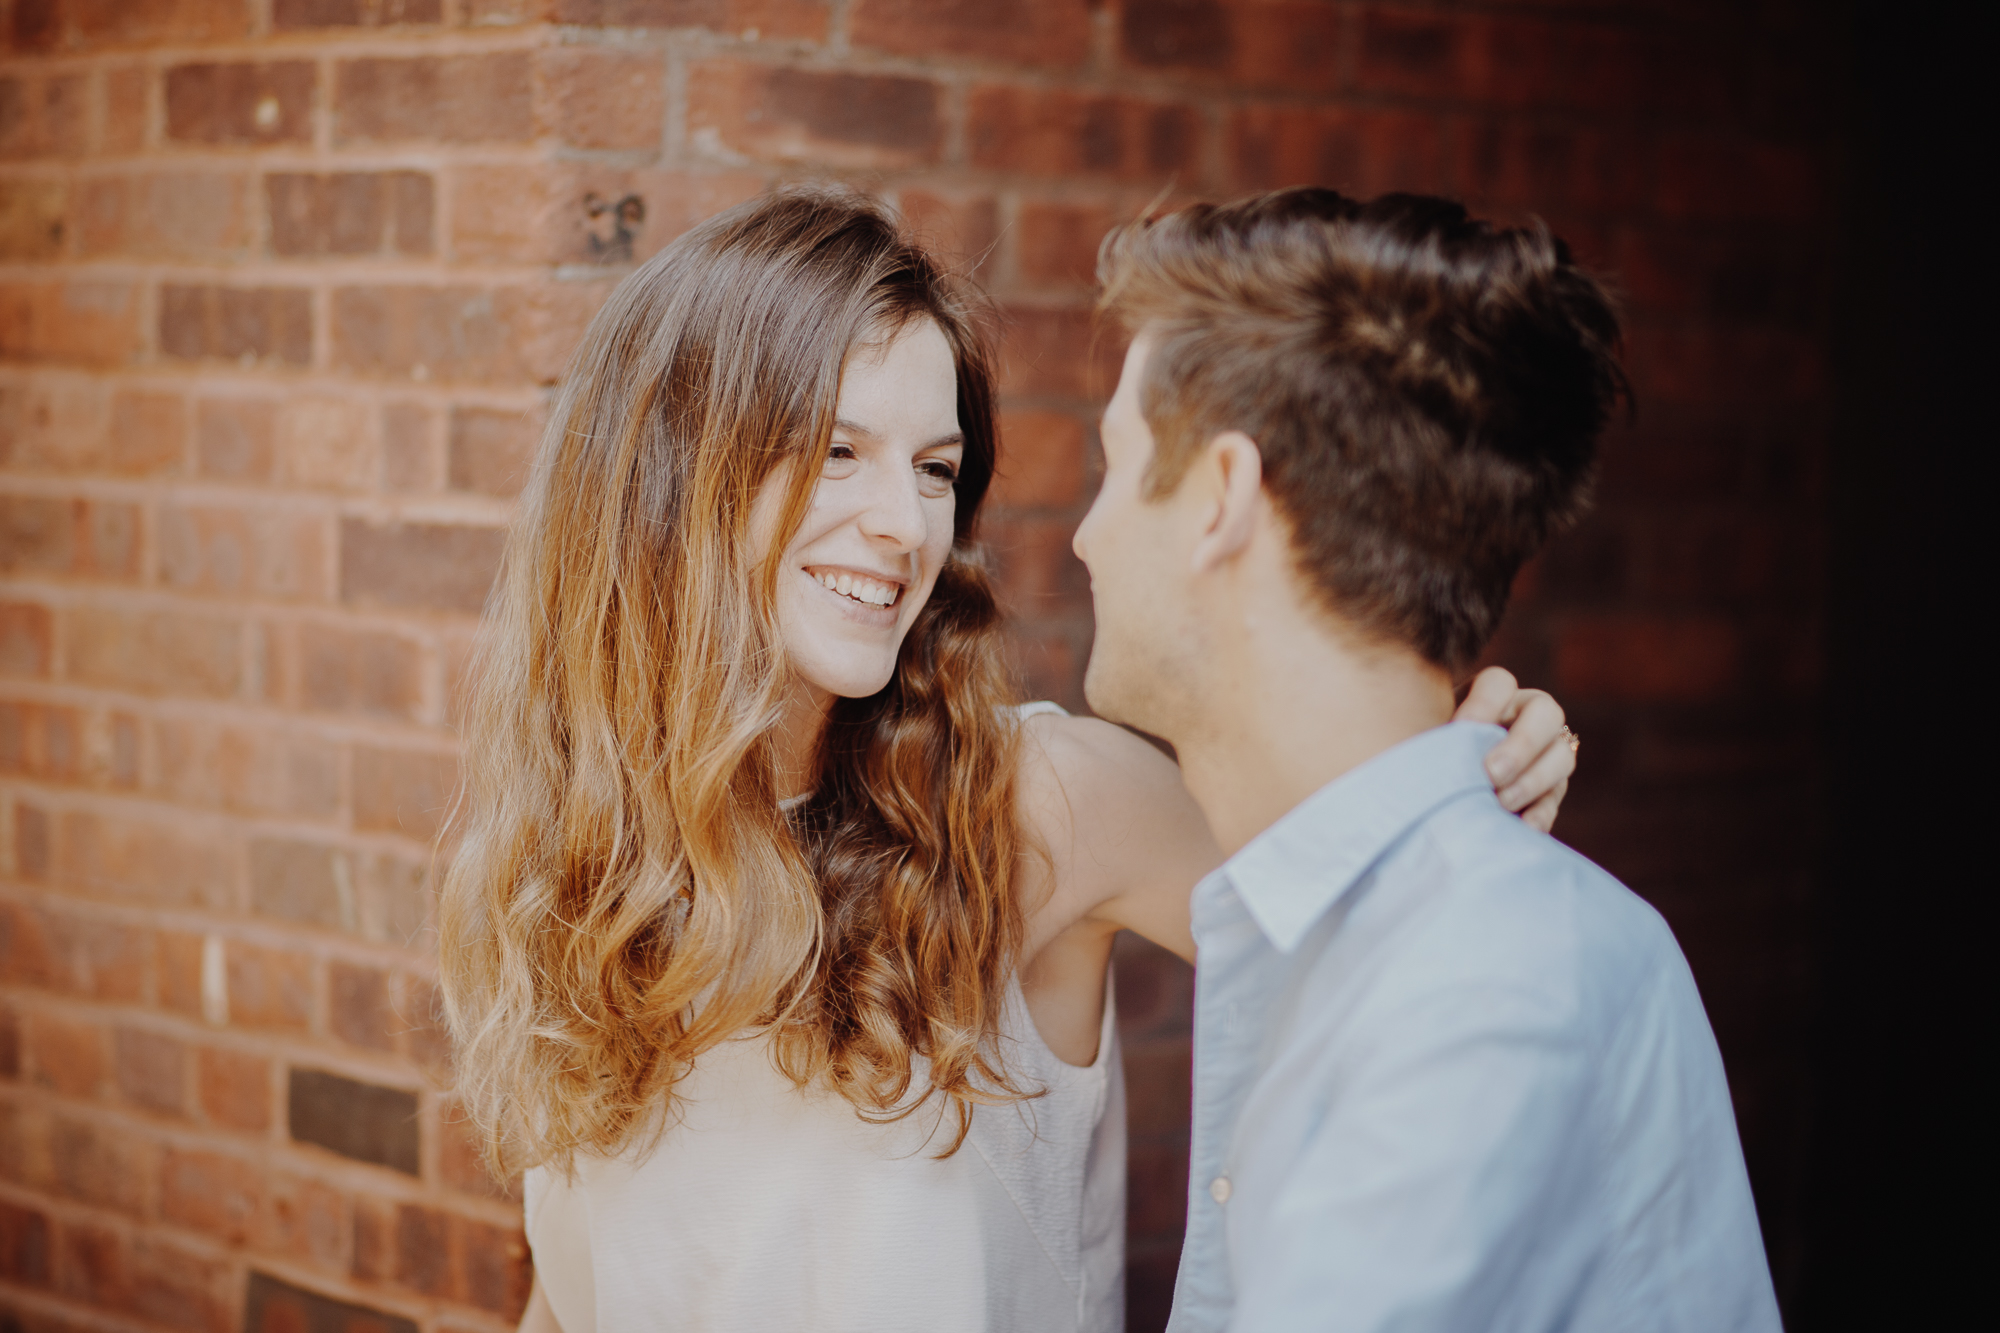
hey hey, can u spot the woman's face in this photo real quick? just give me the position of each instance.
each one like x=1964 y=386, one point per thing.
x=862 y=564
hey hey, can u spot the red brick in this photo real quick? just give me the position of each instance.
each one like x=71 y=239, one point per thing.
x=451 y=333
x=10 y=1051
x=489 y=449
x=178 y=1287
x=392 y=899
x=91 y=1264
x=202 y=215
x=1056 y=352
x=497 y=1271
x=421 y=1028
x=151 y=1069
x=180 y=957
x=1157 y=1204
x=374 y=1249
x=31 y=842
x=255 y=770
x=24 y=1245
x=1540 y=168
x=454 y=99
x=156 y=652
x=1056 y=244
x=1717 y=178
x=349 y=213
x=325 y=442
x=122 y=129
x=307 y=1220
x=960 y=230
x=597 y=97
x=1286 y=44
x=824 y=117
x=211 y=1193
x=99 y=23
x=1043 y=456
x=100 y=1164
x=1647 y=658
x=1053 y=32
x=241 y=324
x=773 y=20
x=306 y=882
x=1360 y=152
x=358 y=1009
x=1039 y=575
x=34 y=220
x=300 y=15
x=84 y=322
x=26 y=956
x=403 y=791
x=233 y=1088
x=69 y=1057
x=1054 y=132
x=411 y=460
x=269 y=988
x=358 y=671
x=25 y=631
x=158 y=864
x=148 y=434
x=45 y=535
x=42 y=117
x=241 y=104
x=423 y=1251
x=1717 y=366
x=442 y=567
x=243 y=552
x=461 y=1155
x=1158 y=1083
x=233 y=438
x=580 y=213
x=96 y=958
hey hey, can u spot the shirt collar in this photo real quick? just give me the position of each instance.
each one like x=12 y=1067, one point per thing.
x=1292 y=872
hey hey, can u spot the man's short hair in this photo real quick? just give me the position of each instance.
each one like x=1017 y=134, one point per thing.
x=1426 y=389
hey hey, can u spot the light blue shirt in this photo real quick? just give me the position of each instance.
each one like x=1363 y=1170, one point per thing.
x=1449 y=1075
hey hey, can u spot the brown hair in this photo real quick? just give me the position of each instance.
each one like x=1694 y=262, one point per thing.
x=1426 y=389
x=627 y=892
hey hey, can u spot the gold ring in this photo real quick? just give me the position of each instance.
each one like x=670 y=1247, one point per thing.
x=1575 y=741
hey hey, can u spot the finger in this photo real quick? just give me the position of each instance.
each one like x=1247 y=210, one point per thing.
x=1537 y=722
x=1542 y=814
x=1551 y=769
x=1492 y=691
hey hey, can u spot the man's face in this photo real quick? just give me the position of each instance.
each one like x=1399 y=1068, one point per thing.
x=1139 y=553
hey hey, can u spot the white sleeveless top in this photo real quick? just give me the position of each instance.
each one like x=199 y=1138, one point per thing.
x=768 y=1209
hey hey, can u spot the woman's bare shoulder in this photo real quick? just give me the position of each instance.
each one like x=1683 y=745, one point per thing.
x=1084 y=767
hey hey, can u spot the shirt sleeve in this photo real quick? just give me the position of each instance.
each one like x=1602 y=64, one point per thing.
x=1449 y=1155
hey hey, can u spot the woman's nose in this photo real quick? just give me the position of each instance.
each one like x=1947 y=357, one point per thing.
x=895 y=512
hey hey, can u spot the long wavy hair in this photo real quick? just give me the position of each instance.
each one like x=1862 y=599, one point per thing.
x=627 y=891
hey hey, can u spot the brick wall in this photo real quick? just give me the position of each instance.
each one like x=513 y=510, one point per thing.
x=283 y=285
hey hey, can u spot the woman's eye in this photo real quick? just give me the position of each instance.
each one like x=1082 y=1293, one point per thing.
x=839 y=459
x=936 y=477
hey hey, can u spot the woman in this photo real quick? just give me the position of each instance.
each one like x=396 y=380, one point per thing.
x=778 y=944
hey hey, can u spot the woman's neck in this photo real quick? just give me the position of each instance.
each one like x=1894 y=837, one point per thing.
x=795 y=742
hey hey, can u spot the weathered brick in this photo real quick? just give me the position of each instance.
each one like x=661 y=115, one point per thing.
x=456 y=99
x=497 y=1271
x=364 y=1121
x=100 y=1164
x=443 y=567
x=792 y=115
x=25 y=632
x=582 y=213
x=358 y=671
x=271 y=1305
x=1360 y=152
x=1286 y=44
x=242 y=324
x=252 y=769
x=98 y=959
x=326 y=442
x=1732 y=178
x=53 y=24
x=489 y=449
x=1056 y=132
x=1043 y=459
x=307 y=1220
x=212 y=1193
x=358 y=1008
x=233 y=1088
x=31 y=842
x=298 y=15
x=124 y=127
x=411 y=458
x=34 y=220
x=1039 y=575
x=1647 y=658
x=85 y=322
x=41 y=742
x=1054 y=33
x=307 y=882
x=148 y=435
x=92 y=1264
x=233 y=438
x=771 y=19
x=24 y=1245
x=42 y=117
x=156 y=652
x=154 y=863
x=180 y=1286
x=68 y=1056
x=962 y=230
x=201 y=215
x=151 y=1069
x=421 y=1032
x=1055 y=244
x=597 y=97
x=451 y=333
x=403 y=791
x=423 y=1251
x=27 y=957
x=461 y=1157
x=269 y=988
x=349 y=213
x=10 y=1048
x=241 y=103
x=1541 y=168
x=1056 y=352
x=392 y=898
x=244 y=551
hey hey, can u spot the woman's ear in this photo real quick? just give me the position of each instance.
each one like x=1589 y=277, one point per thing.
x=1231 y=483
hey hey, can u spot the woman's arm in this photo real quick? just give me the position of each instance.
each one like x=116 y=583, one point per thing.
x=538 y=1317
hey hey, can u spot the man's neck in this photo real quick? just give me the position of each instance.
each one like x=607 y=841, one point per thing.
x=1298 y=705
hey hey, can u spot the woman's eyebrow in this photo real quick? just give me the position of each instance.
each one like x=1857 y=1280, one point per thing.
x=856 y=428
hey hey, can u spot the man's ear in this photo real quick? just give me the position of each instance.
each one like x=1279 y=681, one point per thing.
x=1236 y=477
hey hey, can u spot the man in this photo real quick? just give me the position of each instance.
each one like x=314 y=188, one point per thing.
x=1448 y=1074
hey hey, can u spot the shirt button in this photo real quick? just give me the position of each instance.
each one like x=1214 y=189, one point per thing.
x=1218 y=1189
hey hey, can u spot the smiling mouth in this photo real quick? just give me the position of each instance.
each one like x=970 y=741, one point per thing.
x=858 y=587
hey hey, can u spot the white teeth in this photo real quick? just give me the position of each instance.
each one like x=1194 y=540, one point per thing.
x=844 y=584
x=860 y=589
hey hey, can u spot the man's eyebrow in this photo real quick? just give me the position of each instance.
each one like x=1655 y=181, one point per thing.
x=856 y=428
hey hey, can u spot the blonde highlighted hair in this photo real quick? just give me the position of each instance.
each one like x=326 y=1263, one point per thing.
x=627 y=892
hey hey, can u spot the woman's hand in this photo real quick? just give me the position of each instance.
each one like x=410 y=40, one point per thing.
x=1531 y=767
